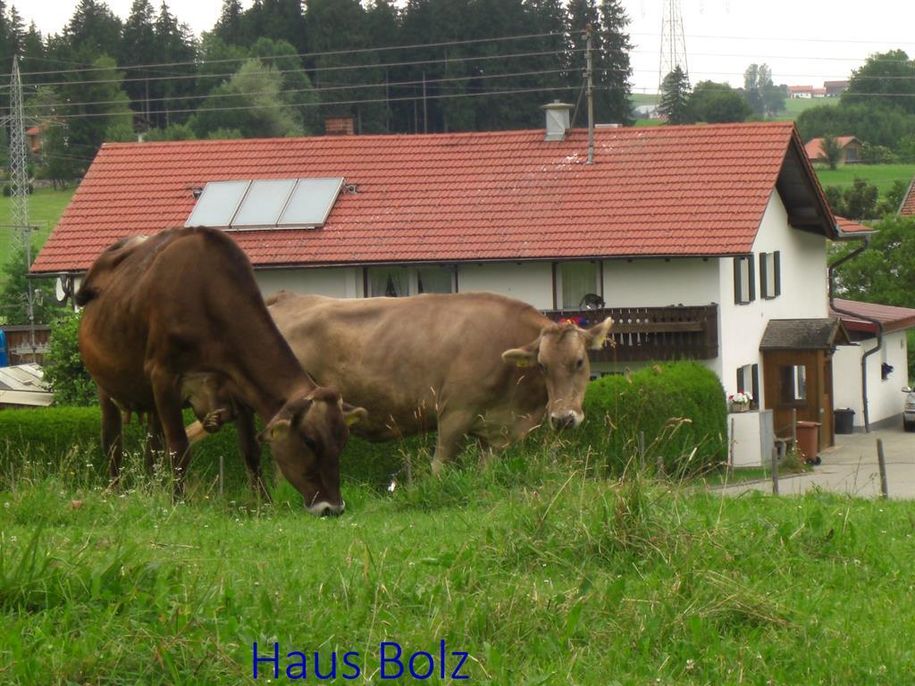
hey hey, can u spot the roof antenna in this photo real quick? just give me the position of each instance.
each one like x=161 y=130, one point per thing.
x=589 y=71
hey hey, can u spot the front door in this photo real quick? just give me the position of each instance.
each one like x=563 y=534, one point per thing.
x=798 y=383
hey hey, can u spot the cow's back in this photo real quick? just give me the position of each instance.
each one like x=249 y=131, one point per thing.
x=406 y=359
x=137 y=307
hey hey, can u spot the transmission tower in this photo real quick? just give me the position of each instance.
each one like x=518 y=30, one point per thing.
x=19 y=186
x=673 y=43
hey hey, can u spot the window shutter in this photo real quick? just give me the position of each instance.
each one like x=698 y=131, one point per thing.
x=778 y=272
x=738 y=295
x=740 y=380
x=751 y=265
x=754 y=373
x=763 y=276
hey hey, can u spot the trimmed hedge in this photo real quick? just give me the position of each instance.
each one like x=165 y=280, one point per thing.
x=678 y=407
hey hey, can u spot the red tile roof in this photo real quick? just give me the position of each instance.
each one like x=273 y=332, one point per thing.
x=856 y=315
x=814 y=147
x=693 y=190
x=907 y=208
x=851 y=226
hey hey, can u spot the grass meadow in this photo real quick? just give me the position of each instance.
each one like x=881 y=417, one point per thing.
x=881 y=175
x=540 y=571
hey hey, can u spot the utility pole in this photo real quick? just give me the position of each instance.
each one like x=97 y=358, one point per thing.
x=589 y=75
x=19 y=185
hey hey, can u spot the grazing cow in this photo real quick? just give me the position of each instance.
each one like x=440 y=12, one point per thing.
x=469 y=364
x=178 y=319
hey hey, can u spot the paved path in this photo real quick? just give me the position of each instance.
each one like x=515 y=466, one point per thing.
x=851 y=467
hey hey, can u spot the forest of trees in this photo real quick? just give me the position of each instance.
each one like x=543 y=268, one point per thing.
x=277 y=69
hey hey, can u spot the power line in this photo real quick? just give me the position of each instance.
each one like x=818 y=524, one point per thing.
x=366 y=101
x=289 y=91
x=306 y=55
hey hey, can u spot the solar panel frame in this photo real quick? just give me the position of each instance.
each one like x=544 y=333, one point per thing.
x=330 y=186
x=219 y=194
x=263 y=203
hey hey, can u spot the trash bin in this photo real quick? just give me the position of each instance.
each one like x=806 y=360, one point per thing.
x=845 y=419
x=808 y=439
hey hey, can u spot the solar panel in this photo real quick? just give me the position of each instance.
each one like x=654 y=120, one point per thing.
x=263 y=203
x=310 y=202
x=217 y=204
x=266 y=203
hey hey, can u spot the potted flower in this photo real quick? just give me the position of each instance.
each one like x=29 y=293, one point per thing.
x=739 y=402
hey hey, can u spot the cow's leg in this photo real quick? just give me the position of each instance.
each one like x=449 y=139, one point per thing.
x=154 y=441
x=168 y=406
x=452 y=428
x=112 y=438
x=251 y=450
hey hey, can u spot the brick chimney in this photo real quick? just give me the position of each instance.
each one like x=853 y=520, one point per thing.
x=338 y=126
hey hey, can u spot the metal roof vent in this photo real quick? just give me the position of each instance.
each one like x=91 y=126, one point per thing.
x=557 y=120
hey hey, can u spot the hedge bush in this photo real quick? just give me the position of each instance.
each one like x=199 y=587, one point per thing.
x=679 y=408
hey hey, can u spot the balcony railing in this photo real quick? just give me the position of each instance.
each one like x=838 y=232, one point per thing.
x=652 y=333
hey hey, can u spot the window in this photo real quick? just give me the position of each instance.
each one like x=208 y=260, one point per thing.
x=794 y=384
x=266 y=203
x=576 y=280
x=744 y=280
x=434 y=280
x=396 y=282
x=391 y=282
x=770 y=278
x=748 y=382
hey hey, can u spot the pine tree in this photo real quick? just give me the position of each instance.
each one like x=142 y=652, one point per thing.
x=674 y=105
x=613 y=67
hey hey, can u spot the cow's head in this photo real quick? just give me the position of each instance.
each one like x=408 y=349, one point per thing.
x=560 y=353
x=306 y=438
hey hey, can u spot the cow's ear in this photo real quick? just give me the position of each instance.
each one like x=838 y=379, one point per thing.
x=522 y=357
x=597 y=334
x=278 y=428
x=354 y=415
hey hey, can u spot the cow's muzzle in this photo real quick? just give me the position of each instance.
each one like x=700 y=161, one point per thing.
x=323 y=508
x=566 y=420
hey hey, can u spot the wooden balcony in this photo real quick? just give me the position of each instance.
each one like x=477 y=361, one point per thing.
x=652 y=333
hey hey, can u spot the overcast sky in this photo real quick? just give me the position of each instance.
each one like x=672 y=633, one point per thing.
x=804 y=42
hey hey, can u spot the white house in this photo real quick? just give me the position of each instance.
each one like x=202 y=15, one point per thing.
x=871 y=374
x=701 y=241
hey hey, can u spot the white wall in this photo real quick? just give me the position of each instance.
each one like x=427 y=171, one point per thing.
x=885 y=397
x=531 y=282
x=342 y=282
x=659 y=282
x=804 y=292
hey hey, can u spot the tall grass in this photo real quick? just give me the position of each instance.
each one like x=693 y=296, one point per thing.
x=538 y=568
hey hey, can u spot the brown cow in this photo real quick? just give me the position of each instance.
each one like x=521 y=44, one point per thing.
x=469 y=364
x=177 y=319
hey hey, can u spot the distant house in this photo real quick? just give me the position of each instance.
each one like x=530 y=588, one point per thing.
x=879 y=332
x=834 y=88
x=907 y=206
x=33 y=136
x=695 y=253
x=806 y=92
x=850 y=146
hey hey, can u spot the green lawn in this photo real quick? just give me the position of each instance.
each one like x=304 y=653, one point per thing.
x=45 y=208
x=795 y=106
x=881 y=175
x=540 y=574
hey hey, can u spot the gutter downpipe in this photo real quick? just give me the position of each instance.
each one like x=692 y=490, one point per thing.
x=867 y=353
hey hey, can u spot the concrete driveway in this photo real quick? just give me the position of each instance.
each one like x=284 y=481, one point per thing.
x=851 y=467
